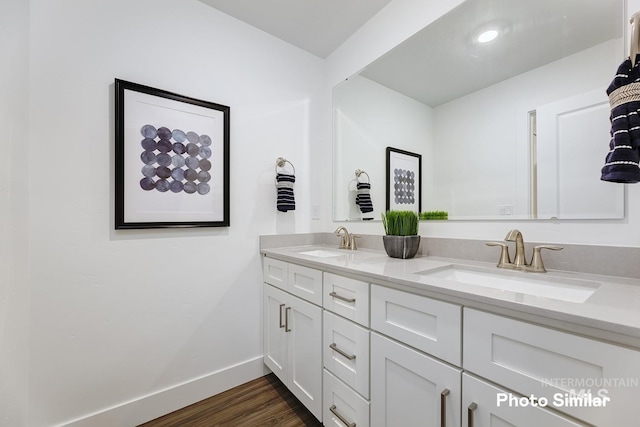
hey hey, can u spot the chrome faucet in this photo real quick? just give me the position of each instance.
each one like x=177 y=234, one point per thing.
x=347 y=241
x=520 y=262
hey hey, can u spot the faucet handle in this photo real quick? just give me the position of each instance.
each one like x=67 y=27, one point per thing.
x=352 y=243
x=504 y=253
x=536 y=260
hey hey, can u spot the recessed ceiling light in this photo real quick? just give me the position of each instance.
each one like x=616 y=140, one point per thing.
x=487 y=36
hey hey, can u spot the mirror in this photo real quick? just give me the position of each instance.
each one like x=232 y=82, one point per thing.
x=514 y=128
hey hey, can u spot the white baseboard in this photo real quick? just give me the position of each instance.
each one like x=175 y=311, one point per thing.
x=162 y=402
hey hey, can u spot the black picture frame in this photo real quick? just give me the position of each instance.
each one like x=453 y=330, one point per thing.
x=171 y=159
x=403 y=180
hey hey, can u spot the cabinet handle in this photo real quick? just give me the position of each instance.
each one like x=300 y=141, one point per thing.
x=335 y=348
x=470 y=412
x=335 y=412
x=286 y=319
x=443 y=407
x=281 y=324
x=335 y=295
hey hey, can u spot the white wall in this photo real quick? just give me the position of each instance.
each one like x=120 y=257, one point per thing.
x=497 y=117
x=394 y=24
x=112 y=320
x=14 y=160
x=369 y=117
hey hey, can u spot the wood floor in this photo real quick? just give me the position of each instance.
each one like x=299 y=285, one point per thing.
x=264 y=402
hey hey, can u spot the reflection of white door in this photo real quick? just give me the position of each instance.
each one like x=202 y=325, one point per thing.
x=572 y=141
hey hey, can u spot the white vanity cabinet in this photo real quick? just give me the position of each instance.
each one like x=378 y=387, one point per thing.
x=292 y=329
x=581 y=377
x=360 y=354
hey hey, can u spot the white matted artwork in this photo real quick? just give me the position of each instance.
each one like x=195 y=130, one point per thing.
x=404 y=180
x=172 y=159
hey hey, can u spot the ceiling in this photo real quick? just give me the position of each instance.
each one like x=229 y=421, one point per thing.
x=538 y=32
x=317 y=26
x=442 y=62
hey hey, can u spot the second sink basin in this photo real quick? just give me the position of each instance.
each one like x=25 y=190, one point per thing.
x=322 y=253
x=534 y=284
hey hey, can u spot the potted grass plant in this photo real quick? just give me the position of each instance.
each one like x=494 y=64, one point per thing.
x=401 y=239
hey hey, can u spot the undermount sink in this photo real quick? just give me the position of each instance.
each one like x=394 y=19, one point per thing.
x=534 y=284
x=322 y=253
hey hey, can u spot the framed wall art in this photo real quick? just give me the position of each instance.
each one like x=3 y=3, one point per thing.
x=171 y=159
x=404 y=180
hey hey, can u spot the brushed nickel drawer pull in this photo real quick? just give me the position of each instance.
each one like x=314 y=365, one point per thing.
x=335 y=348
x=335 y=295
x=286 y=319
x=280 y=322
x=470 y=411
x=443 y=407
x=340 y=417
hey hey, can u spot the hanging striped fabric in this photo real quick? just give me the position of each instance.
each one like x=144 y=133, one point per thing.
x=363 y=198
x=286 y=200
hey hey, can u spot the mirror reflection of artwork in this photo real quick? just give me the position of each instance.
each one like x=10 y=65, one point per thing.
x=479 y=114
x=404 y=186
x=404 y=170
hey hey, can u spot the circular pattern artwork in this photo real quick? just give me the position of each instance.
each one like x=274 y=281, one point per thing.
x=175 y=161
x=404 y=186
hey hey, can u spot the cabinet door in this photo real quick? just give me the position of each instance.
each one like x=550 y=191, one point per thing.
x=409 y=388
x=304 y=333
x=480 y=408
x=275 y=338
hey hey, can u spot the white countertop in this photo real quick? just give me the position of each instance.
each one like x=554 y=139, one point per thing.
x=612 y=311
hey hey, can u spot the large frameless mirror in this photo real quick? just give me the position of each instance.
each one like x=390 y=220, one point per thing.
x=515 y=127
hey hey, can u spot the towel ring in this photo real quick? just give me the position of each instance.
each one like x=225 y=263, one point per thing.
x=360 y=172
x=280 y=163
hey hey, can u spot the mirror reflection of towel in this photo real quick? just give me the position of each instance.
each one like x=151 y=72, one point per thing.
x=363 y=199
x=286 y=200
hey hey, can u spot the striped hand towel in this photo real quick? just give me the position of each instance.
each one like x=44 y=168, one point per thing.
x=286 y=200
x=623 y=160
x=363 y=199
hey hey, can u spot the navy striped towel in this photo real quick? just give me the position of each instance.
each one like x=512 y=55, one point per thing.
x=286 y=200
x=363 y=198
x=624 y=98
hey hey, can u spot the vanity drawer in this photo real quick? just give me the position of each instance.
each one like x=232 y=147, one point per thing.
x=424 y=323
x=306 y=283
x=346 y=351
x=274 y=272
x=347 y=297
x=531 y=359
x=303 y=282
x=342 y=406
